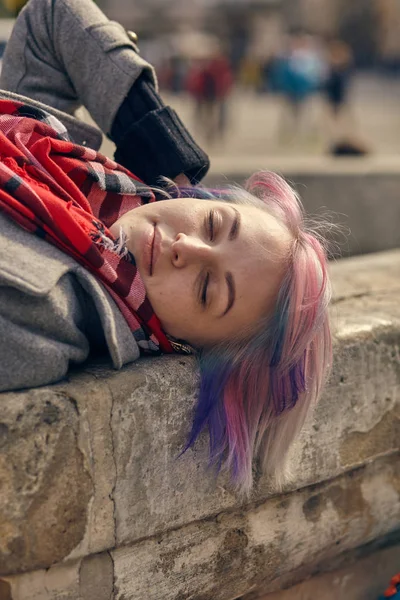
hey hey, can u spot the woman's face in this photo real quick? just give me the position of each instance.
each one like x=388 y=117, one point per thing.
x=211 y=269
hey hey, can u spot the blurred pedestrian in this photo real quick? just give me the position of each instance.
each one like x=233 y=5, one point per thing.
x=210 y=83
x=340 y=63
x=343 y=136
x=298 y=73
x=250 y=75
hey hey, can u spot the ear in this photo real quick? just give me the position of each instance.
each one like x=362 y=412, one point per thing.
x=180 y=346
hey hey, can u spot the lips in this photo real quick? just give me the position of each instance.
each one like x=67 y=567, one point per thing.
x=151 y=249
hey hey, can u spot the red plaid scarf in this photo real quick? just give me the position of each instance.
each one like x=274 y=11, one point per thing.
x=70 y=195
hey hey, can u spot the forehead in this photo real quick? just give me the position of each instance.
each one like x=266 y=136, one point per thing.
x=258 y=266
x=264 y=237
x=258 y=223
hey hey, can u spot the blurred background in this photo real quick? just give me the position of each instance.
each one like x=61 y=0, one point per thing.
x=272 y=78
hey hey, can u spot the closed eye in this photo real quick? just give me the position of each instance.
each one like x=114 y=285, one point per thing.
x=204 y=289
x=211 y=224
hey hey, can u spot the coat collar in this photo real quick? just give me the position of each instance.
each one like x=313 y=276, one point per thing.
x=80 y=133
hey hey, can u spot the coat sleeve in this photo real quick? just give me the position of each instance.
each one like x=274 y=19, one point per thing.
x=68 y=53
x=40 y=337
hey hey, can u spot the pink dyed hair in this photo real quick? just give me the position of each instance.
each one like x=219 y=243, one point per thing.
x=255 y=394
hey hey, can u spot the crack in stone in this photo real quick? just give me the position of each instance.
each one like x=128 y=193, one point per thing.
x=71 y=400
x=114 y=591
x=79 y=575
x=111 y=495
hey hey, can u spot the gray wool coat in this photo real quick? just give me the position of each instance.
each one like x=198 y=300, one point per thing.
x=54 y=313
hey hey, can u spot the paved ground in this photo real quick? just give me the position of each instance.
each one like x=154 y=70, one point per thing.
x=255 y=122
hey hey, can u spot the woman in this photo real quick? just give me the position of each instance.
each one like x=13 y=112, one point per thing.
x=89 y=262
x=340 y=62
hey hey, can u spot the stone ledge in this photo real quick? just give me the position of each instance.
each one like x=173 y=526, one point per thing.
x=93 y=464
x=235 y=552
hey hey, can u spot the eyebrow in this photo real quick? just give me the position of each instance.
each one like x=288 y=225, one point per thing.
x=230 y=282
x=234 y=231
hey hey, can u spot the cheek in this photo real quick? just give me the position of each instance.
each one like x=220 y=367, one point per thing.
x=172 y=303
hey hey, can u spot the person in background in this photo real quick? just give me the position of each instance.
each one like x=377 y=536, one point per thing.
x=339 y=71
x=210 y=83
x=298 y=74
x=342 y=125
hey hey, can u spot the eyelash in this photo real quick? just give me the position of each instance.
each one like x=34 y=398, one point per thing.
x=204 y=289
x=211 y=225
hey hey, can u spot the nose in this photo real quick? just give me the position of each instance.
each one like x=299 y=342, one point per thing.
x=187 y=249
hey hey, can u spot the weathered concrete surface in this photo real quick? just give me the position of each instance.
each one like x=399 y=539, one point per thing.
x=224 y=557
x=237 y=551
x=56 y=475
x=41 y=462
x=365 y=579
x=91 y=464
x=361 y=195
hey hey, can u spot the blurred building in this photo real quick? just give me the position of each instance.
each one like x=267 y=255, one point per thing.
x=371 y=27
x=388 y=38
